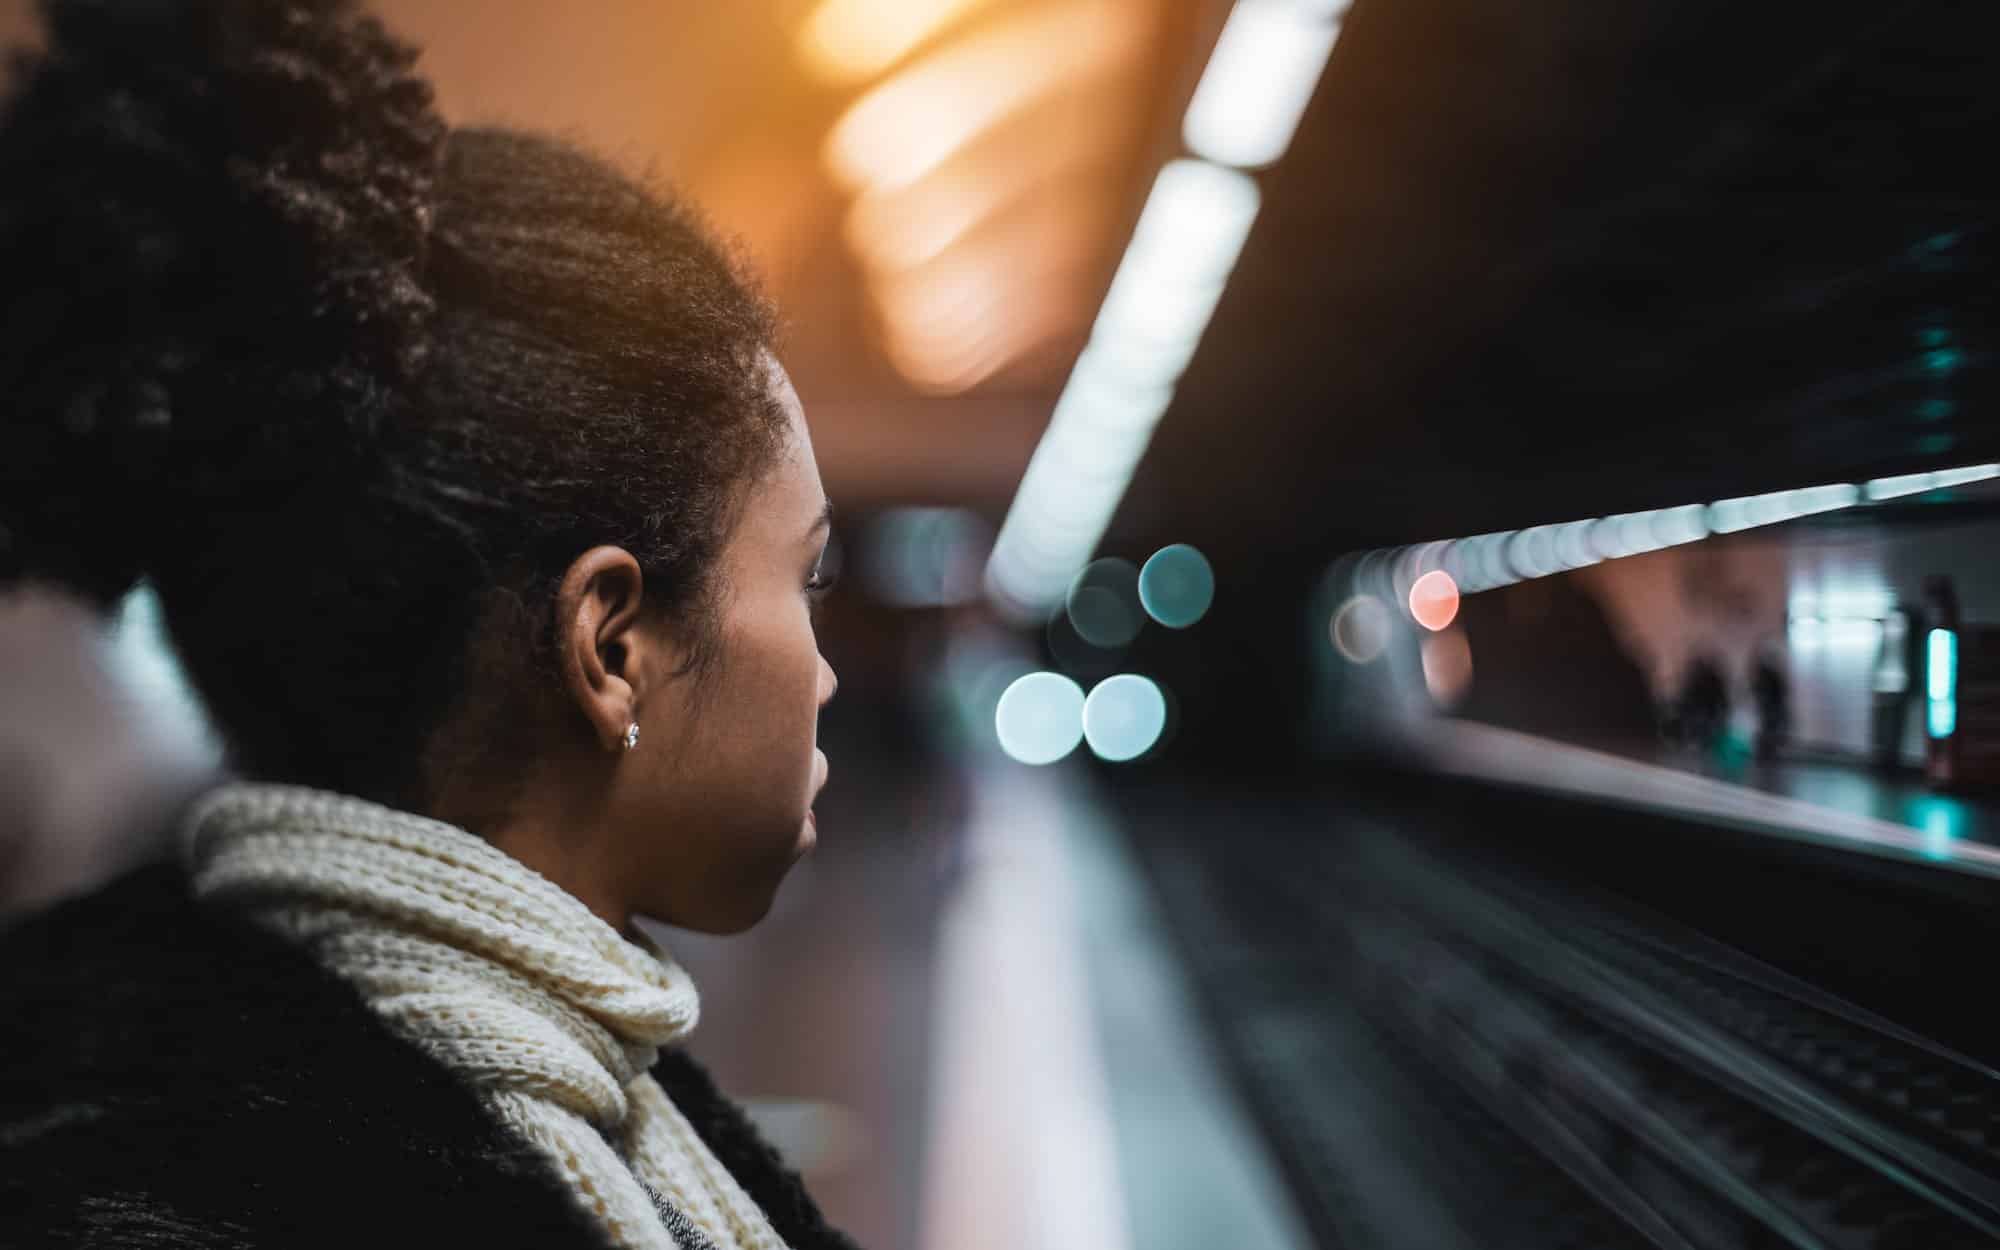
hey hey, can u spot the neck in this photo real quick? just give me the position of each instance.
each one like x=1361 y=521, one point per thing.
x=568 y=862
x=551 y=828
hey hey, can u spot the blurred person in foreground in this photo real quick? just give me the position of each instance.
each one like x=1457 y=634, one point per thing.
x=488 y=527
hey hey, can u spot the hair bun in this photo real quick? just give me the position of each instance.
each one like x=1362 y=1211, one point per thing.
x=214 y=219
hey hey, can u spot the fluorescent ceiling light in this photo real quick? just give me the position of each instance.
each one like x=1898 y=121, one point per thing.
x=1727 y=516
x=1259 y=79
x=1900 y=485
x=1673 y=526
x=1971 y=473
x=1188 y=238
x=1166 y=288
x=1488 y=561
x=1195 y=221
x=1161 y=299
x=1916 y=483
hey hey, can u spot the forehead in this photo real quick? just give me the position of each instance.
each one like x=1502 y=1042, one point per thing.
x=781 y=384
x=794 y=480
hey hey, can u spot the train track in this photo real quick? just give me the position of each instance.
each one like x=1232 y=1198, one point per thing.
x=1606 y=1077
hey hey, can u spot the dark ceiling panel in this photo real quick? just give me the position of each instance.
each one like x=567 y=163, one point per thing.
x=1528 y=262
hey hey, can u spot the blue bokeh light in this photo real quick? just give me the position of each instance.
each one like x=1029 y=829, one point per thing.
x=1124 y=717
x=1103 y=603
x=1177 y=586
x=1039 y=718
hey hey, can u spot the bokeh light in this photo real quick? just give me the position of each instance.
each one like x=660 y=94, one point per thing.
x=1124 y=717
x=1360 y=629
x=1483 y=562
x=847 y=41
x=1039 y=718
x=1434 y=600
x=975 y=673
x=1103 y=603
x=1447 y=667
x=909 y=124
x=1943 y=822
x=1070 y=652
x=1177 y=585
x=1182 y=250
x=925 y=557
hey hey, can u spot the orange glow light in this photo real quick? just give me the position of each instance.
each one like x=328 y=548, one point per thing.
x=1434 y=600
x=1051 y=147
x=884 y=234
x=951 y=323
x=847 y=41
x=909 y=125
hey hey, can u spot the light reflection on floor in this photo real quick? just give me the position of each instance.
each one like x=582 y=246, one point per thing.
x=1900 y=798
x=1836 y=804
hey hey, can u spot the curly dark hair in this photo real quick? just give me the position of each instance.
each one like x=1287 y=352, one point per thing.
x=350 y=389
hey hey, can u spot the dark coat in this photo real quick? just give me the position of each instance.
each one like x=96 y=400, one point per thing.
x=172 y=1076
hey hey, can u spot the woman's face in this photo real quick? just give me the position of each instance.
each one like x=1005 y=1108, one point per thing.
x=696 y=825
x=721 y=783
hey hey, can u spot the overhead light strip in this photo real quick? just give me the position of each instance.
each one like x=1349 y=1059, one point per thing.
x=1489 y=561
x=1192 y=230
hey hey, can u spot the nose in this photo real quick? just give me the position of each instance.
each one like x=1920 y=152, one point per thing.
x=828 y=682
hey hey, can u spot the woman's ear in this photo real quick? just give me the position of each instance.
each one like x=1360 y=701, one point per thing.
x=601 y=653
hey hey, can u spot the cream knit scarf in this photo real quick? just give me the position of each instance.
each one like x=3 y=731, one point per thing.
x=518 y=988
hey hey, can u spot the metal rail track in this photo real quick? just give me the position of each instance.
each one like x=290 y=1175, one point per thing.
x=1618 y=1080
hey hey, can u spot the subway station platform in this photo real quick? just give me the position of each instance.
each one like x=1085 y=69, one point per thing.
x=1369 y=1007
x=1855 y=790
x=1839 y=804
x=1528 y=994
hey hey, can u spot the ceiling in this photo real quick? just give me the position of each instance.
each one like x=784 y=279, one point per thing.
x=935 y=192
x=1048 y=108
x=1529 y=262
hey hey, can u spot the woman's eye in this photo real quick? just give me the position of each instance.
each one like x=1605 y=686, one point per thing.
x=819 y=581
x=825 y=571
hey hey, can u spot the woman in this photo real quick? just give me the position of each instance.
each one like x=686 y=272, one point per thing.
x=487 y=526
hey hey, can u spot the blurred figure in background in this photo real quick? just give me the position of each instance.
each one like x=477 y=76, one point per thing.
x=1549 y=662
x=1898 y=661
x=1702 y=709
x=489 y=530
x=1772 y=694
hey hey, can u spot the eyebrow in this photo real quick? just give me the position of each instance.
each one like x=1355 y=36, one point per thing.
x=824 y=521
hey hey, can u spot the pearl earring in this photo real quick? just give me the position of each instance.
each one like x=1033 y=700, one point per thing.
x=632 y=735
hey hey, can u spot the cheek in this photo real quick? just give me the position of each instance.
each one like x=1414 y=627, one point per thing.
x=773 y=700
x=802 y=684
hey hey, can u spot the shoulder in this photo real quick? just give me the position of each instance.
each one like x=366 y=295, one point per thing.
x=175 y=1076
x=86 y=978
x=756 y=1165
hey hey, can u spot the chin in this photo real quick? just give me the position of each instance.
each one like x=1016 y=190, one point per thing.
x=743 y=917
x=724 y=912
x=727 y=919
x=741 y=910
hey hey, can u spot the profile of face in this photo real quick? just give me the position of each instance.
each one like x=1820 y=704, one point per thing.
x=699 y=822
